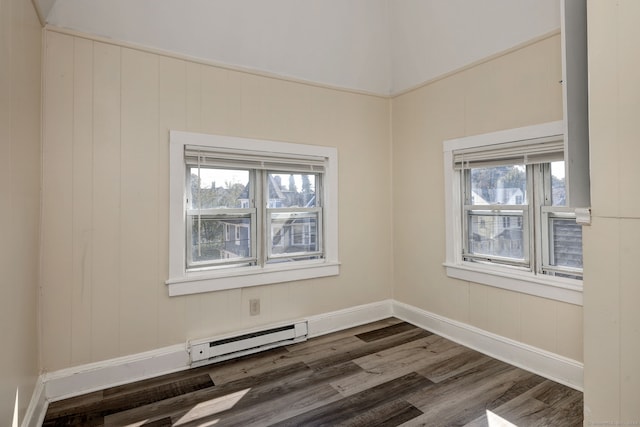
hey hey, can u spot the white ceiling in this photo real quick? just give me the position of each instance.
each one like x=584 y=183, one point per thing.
x=376 y=46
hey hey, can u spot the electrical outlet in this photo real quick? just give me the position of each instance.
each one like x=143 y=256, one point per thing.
x=254 y=307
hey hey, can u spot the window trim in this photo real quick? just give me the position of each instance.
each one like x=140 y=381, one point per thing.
x=183 y=282
x=556 y=288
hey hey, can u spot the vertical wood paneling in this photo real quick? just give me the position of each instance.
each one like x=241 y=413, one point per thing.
x=106 y=202
x=57 y=204
x=194 y=97
x=570 y=344
x=292 y=106
x=539 y=322
x=172 y=115
x=217 y=95
x=256 y=114
x=139 y=202
x=82 y=201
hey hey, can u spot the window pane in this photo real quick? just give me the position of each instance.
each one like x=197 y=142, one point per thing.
x=218 y=188
x=566 y=238
x=500 y=185
x=496 y=235
x=292 y=190
x=558 y=187
x=294 y=232
x=216 y=239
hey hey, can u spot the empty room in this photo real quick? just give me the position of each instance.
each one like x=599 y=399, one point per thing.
x=312 y=212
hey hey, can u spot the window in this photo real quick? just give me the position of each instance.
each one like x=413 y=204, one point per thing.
x=507 y=220
x=249 y=212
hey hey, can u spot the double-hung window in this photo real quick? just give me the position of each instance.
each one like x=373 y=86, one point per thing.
x=250 y=212
x=507 y=220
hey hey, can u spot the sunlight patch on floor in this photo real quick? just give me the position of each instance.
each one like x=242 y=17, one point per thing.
x=212 y=406
x=494 y=420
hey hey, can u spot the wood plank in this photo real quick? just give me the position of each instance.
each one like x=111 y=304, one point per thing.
x=216 y=397
x=352 y=406
x=385 y=332
x=253 y=399
x=548 y=403
x=458 y=363
x=95 y=411
x=397 y=361
x=469 y=393
x=388 y=414
x=370 y=348
x=269 y=411
x=70 y=406
x=201 y=373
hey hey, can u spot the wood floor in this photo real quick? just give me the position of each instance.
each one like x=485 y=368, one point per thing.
x=386 y=373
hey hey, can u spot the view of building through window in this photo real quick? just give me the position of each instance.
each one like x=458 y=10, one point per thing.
x=500 y=223
x=222 y=211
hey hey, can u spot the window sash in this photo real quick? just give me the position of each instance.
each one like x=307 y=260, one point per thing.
x=261 y=217
x=497 y=211
x=295 y=213
x=548 y=214
x=193 y=216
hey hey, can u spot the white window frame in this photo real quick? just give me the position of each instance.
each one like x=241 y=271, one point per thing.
x=528 y=282
x=184 y=282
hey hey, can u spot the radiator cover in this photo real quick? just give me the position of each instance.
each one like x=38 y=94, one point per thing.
x=213 y=350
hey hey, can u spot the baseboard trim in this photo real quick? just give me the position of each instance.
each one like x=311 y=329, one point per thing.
x=34 y=417
x=83 y=379
x=353 y=316
x=549 y=365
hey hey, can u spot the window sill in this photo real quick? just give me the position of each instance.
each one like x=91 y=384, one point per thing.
x=209 y=281
x=559 y=289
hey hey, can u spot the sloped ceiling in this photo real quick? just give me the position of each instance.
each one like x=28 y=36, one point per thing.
x=375 y=46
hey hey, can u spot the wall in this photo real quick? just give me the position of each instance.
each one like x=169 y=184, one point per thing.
x=517 y=89
x=107 y=112
x=20 y=66
x=611 y=250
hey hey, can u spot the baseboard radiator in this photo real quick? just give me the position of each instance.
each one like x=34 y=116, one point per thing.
x=203 y=352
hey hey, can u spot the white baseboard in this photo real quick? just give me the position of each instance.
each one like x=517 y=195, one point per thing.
x=37 y=406
x=353 y=316
x=549 y=365
x=83 y=379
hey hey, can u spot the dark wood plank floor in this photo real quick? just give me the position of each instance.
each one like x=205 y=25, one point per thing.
x=386 y=373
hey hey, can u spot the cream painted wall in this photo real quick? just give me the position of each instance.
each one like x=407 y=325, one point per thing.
x=20 y=47
x=517 y=89
x=611 y=244
x=107 y=112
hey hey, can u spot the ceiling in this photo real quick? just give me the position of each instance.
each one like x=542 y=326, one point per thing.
x=375 y=46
